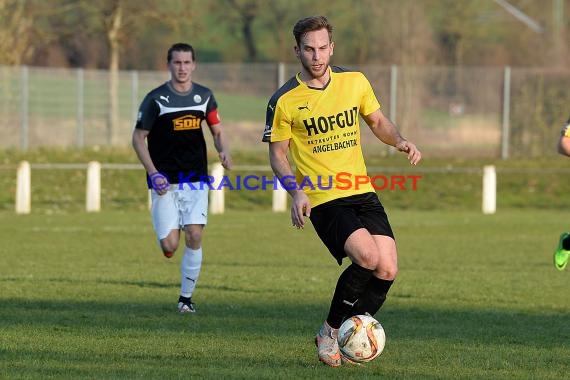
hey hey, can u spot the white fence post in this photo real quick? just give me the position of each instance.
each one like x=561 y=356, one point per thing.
x=23 y=188
x=93 y=191
x=217 y=196
x=489 y=189
x=279 y=198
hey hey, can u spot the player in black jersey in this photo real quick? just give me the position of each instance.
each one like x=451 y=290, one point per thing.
x=169 y=141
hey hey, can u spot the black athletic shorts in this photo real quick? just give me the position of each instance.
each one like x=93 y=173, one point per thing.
x=335 y=220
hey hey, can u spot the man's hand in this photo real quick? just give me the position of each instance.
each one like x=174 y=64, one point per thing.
x=226 y=160
x=158 y=182
x=300 y=209
x=414 y=154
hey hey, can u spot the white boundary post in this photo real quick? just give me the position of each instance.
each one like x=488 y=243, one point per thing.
x=23 y=188
x=489 y=189
x=217 y=196
x=279 y=198
x=93 y=191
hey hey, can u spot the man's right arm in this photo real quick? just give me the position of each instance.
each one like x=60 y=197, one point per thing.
x=141 y=149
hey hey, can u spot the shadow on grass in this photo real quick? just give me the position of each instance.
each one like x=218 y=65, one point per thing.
x=464 y=326
x=266 y=339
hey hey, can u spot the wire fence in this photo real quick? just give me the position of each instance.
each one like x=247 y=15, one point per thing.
x=467 y=111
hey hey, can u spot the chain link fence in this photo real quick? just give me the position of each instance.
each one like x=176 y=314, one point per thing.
x=466 y=111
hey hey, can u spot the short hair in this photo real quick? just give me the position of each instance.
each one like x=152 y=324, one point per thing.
x=310 y=24
x=180 y=46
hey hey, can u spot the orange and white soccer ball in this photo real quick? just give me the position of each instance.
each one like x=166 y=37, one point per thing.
x=361 y=338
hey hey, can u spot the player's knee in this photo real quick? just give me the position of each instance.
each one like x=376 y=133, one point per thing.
x=169 y=245
x=368 y=259
x=387 y=272
x=193 y=238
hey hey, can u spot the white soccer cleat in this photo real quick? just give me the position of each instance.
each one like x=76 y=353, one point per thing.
x=327 y=346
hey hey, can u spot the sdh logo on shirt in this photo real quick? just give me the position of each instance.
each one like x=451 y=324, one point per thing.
x=186 y=122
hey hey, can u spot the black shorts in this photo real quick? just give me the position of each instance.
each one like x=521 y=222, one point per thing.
x=336 y=220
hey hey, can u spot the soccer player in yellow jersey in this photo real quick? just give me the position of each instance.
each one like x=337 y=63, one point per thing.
x=315 y=115
x=562 y=253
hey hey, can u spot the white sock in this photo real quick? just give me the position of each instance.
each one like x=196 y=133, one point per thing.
x=190 y=270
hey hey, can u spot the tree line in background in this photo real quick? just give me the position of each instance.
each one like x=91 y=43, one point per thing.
x=134 y=34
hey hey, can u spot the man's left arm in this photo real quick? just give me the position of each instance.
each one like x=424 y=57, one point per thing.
x=221 y=145
x=387 y=132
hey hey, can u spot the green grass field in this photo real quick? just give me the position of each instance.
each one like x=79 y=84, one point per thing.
x=89 y=296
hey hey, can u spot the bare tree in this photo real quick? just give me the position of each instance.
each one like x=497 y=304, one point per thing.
x=17 y=22
x=414 y=35
x=279 y=19
x=248 y=10
x=119 y=21
x=24 y=26
x=113 y=27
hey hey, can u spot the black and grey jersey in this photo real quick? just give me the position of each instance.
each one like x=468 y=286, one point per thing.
x=174 y=120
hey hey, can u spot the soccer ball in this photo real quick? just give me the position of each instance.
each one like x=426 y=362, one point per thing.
x=361 y=338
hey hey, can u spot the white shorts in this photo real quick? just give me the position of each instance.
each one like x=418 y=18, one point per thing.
x=178 y=208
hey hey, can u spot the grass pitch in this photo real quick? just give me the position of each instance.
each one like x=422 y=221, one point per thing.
x=90 y=296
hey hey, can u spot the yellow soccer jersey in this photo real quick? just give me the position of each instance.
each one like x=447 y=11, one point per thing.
x=324 y=132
